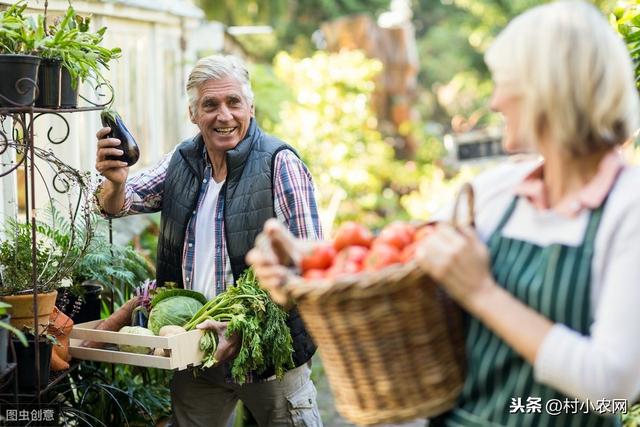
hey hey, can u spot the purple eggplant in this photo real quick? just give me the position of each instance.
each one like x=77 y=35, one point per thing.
x=128 y=145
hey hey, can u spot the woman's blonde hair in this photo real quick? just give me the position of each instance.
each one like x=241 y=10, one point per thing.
x=573 y=73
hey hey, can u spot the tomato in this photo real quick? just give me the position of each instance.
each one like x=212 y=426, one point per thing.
x=381 y=255
x=423 y=232
x=348 y=261
x=397 y=234
x=314 y=274
x=320 y=258
x=352 y=234
x=409 y=252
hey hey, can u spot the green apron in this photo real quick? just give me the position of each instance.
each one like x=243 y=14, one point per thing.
x=555 y=281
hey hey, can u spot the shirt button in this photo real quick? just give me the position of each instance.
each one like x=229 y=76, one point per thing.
x=188 y=279
x=204 y=181
x=194 y=212
x=190 y=245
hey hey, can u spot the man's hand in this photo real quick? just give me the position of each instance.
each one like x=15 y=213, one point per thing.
x=228 y=347
x=115 y=171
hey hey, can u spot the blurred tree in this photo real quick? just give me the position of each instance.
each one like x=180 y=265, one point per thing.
x=452 y=38
x=294 y=21
x=327 y=116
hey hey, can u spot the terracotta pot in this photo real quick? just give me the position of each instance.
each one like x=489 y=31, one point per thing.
x=22 y=309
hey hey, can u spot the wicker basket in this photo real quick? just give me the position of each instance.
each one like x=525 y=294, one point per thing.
x=391 y=342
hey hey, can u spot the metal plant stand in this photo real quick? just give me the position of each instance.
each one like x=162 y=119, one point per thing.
x=17 y=142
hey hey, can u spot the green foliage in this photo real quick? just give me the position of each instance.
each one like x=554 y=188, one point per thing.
x=626 y=18
x=293 y=21
x=114 y=395
x=265 y=338
x=54 y=257
x=70 y=41
x=328 y=119
x=18 y=34
x=632 y=418
x=4 y=324
x=117 y=267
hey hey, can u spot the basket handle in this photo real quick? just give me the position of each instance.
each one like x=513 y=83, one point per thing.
x=466 y=191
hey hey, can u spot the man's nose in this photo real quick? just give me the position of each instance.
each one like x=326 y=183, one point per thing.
x=224 y=113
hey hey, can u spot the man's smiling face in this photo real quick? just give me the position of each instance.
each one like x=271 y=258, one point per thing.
x=223 y=114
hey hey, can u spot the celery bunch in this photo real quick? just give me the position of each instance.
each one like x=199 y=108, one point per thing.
x=266 y=339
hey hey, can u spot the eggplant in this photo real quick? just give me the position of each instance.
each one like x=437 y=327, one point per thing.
x=140 y=317
x=131 y=152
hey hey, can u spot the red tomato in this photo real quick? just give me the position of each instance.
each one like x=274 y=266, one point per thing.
x=398 y=234
x=314 y=274
x=348 y=261
x=381 y=255
x=352 y=234
x=320 y=258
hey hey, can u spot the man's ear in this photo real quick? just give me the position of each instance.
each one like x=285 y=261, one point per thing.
x=253 y=110
x=192 y=116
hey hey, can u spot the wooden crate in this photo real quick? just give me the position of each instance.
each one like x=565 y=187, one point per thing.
x=183 y=348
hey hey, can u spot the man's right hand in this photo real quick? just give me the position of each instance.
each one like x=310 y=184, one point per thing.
x=115 y=171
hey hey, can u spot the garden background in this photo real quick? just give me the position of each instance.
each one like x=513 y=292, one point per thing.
x=379 y=98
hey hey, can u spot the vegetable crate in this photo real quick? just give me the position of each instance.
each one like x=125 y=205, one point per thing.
x=181 y=350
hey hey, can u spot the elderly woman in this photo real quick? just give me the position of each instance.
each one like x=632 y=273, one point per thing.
x=550 y=277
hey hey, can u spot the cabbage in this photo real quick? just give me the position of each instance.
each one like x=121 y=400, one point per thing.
x=176 y=310
x=136 y=330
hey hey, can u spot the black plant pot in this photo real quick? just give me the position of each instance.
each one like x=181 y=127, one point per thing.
x=68 y=95
x=4 y=343
x=26 y=357
x=54 y=83
x=87 y=306
x=19 y=82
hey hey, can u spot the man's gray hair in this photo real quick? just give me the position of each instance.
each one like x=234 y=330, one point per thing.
x=216 y=67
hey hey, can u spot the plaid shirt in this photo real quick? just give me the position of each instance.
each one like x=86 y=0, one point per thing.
x=294 y=204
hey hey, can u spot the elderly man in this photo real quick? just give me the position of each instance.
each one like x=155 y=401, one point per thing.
x=215 y=191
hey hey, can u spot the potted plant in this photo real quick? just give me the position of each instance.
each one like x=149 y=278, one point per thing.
x=19 y=40
x=71 y=54
x=54 y=261
x=99 y=266
x=5 y=329
x=25 y=357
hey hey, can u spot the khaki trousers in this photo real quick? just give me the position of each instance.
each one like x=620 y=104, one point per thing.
x=208 y=400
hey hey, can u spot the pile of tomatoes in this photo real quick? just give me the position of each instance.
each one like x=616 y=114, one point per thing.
x=355 y=249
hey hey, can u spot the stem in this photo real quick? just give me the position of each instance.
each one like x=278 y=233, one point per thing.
x=44 y=22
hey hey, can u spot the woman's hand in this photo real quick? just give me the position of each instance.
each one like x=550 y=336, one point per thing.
x=276 y=250
x=458 y=261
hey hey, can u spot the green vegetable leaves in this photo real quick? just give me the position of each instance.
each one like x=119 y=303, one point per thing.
x=208 y=345
x=265 y=338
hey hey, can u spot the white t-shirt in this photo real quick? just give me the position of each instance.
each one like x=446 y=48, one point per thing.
x=203 y=268
x=606 y=363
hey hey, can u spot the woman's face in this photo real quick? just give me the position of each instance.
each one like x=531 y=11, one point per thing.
x=506 y=102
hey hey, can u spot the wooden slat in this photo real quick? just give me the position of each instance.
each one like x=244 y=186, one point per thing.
x=112 y=356
x=82 y=332
x=184 y=348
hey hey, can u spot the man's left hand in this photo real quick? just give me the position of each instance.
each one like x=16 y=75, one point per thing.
x=228 y=347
